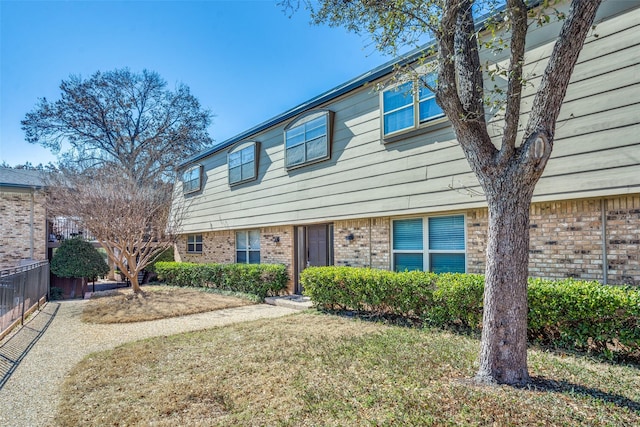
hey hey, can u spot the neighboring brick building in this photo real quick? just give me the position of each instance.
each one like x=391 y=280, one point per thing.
x=360 y=178
x=23 y=218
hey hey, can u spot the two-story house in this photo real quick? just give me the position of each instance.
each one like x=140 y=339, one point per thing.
x=364 y=177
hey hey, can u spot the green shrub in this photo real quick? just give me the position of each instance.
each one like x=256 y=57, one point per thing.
x=587 y=316
x=258 y=279
x=165 y=256
x=458 y=300
x=569 y=314
x=56 y=293
x=78 y=258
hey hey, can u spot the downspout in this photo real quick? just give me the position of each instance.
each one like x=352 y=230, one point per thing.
x=605 y=264
x=370 y=244
x=31 y=220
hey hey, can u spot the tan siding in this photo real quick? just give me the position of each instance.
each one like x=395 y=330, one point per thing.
x=597 y=141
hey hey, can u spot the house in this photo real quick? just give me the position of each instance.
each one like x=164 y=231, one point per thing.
x=23 y=218
x=360 y=177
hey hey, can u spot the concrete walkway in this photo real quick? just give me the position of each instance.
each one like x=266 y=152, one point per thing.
x=39 y=356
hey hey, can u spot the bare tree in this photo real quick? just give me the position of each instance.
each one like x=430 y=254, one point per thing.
x=507 y=174
x=123 y=120
x=134 y=223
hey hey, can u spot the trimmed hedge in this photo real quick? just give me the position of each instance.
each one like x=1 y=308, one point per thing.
x=257 y=279
x=570 y=314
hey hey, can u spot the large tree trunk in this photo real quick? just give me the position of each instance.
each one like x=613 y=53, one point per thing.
x=503 y=354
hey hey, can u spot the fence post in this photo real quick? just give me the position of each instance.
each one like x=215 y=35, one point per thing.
x=23 y=279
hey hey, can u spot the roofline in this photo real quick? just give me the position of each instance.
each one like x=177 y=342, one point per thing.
x=27 y=186
x=334 y=93
x=327 y=96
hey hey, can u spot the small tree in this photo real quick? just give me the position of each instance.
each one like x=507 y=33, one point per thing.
x=77 y=258
x=133 y=222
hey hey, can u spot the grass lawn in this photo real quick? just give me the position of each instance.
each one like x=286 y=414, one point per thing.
x=311 y=369
x=156 y=302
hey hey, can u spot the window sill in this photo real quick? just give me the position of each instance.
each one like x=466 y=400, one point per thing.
x=426 y=127
x=312 y=162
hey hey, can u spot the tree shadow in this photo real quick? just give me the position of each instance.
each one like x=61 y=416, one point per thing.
x=538 y=383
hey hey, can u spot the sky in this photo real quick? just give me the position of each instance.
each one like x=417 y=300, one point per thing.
x=246 y=60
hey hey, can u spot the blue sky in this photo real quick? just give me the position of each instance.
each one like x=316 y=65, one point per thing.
x=246 y=61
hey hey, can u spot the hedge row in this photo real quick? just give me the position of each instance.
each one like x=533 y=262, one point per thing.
x=586 y=316
x=257 y=279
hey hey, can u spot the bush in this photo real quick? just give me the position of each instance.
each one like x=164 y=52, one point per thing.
x=165 y=256
x=587 y=316
x=568 y=314
x=258 y=279
x=56 y=293
x=78 y=258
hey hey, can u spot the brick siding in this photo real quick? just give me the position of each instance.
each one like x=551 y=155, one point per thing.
x=15 y=228
x=566 y=239
x=219 y=247
x=370 y=244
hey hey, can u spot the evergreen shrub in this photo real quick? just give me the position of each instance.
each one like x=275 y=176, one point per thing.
x=261 y=280
x=567 y=314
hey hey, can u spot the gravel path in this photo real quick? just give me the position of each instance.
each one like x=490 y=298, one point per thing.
x=30 y=396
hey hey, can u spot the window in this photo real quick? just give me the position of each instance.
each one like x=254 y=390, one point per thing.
x=405 y=107
x=431 y=244
x=243 y=164
x=194 y=244
x=248 y=247
x=308 y=139
x=192 y=179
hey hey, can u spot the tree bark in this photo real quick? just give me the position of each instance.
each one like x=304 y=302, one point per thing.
x=503 y=354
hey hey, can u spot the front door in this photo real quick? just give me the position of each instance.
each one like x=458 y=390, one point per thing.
x=313 y=248
x=317 y=247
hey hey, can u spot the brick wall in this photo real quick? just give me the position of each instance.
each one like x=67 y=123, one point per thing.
x=280 y=251
x=219 y=247
x=566 y=239
x=477 y=226
x=370 y=246
x=15 y=228
x=623 y=239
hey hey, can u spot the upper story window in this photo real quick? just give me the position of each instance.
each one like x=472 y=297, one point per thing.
x=407 y=106
x=192 y=179
x=308 y=139
x=243 y=162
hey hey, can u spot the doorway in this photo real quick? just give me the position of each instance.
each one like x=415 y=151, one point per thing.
x=314 y=247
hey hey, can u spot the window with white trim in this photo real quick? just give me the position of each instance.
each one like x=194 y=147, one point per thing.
x=192 y=179
x=407 y=106
x=429 y=244
x=194 y=244
x=308 y=139
x=243 y=163
x=248 y=247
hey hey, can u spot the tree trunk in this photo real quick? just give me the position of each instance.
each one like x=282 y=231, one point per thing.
x=135 y=286
x=503 y=354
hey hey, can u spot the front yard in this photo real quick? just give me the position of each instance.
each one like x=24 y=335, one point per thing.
x=314 y=369
x=156 y=302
